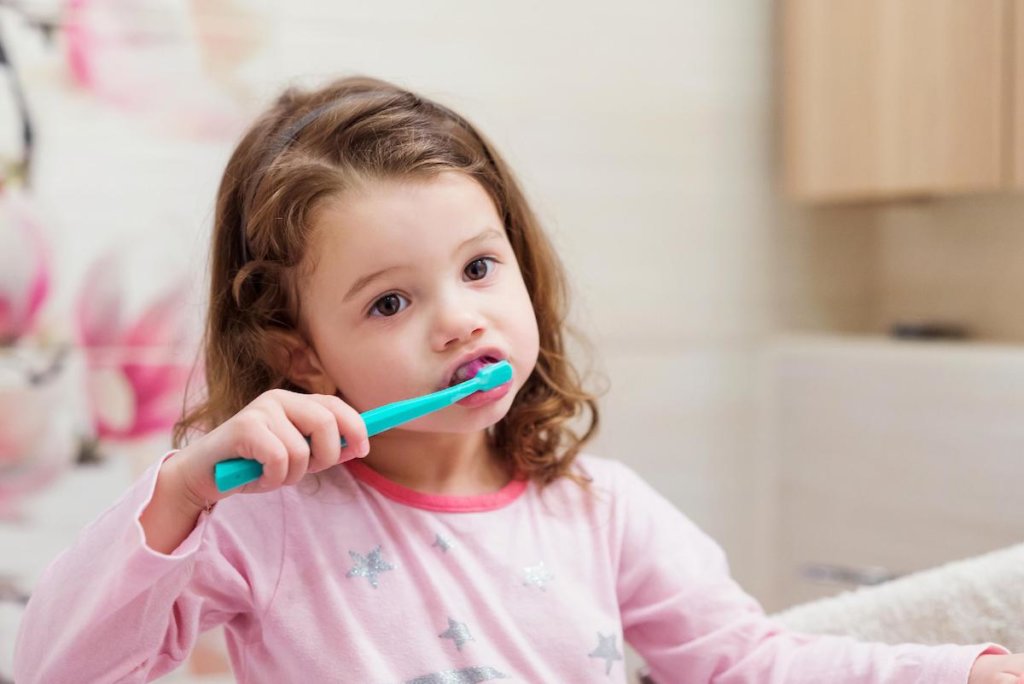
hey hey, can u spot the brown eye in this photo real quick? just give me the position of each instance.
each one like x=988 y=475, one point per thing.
x=479 y=268
x=388 y=305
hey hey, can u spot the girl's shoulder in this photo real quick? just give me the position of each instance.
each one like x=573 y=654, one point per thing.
x=627 y=496
x=607 y=474
x=609 y=484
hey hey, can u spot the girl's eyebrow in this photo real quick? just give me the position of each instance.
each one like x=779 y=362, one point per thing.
x=366 y=280
x=487 y=234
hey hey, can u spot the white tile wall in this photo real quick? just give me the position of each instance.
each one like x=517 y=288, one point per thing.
x=827 y=268
x=956 y=261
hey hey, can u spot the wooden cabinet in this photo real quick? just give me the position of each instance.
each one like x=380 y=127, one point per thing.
x=1015 y=127
x=898 y=98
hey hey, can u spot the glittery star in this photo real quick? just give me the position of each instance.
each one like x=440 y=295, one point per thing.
x=467 y=675
x=536 y=576
x=368 y=566
x=457 y=632
x=442 y=542
x=606 y=650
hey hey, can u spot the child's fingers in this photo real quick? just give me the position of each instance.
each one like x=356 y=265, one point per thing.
x=322 y=419
x=262 y=444
x=350 y=425
x=275 y=430
x=298 y=449
x=321 y=427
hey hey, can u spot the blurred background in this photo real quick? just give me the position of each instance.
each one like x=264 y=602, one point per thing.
x=794 y=232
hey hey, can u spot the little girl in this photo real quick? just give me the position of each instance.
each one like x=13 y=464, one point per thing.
x=370 y=245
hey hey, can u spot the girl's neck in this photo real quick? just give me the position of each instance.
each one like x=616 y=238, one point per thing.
x=436 y=463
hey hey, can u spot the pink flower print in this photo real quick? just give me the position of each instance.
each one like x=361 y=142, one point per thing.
x=143 y=56
x=138 y=367
x=38 y=425
x=24 y=268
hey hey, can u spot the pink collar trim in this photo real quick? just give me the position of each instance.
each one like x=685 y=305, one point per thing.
x=441 y=503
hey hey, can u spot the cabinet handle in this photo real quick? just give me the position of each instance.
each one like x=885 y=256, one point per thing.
x=826 y=573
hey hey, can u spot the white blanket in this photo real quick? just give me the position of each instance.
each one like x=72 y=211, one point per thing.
x=970 y=601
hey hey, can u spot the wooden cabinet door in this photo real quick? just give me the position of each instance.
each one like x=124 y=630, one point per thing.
x=889 y=98
x=1016 y=127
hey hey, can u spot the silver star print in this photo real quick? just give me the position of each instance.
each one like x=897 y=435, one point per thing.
x=457 y=632
x=467 y=675
x=536 y=576
x=607 y=651
x=368 y=566
x=442 y=542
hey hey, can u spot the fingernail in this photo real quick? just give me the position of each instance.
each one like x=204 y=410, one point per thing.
x=364 y=447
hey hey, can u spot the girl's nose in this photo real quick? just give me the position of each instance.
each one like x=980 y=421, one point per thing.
x=454 y=324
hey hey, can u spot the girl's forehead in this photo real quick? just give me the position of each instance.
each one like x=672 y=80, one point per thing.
x=419 y=213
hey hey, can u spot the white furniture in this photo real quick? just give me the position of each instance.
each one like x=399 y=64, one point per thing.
x=890 y=457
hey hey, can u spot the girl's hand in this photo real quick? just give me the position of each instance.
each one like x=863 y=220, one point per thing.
x=272 y=429
x=998 y=669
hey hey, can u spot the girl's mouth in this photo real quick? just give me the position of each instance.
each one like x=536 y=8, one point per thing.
x=469 y=370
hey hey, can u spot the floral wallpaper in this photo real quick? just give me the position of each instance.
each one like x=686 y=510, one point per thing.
x=110 y=365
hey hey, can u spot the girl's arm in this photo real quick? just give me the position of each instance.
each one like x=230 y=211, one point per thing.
x=171 y=514
x=110 y=608
x=126 y=602
x=691 y=622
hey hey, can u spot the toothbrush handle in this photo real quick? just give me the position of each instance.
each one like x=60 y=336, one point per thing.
x=235 y=472
x=392 y=415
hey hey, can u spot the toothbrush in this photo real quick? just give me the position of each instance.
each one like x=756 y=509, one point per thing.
x=236 y=472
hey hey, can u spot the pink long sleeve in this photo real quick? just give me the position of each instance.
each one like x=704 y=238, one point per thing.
x=349 y=577
x=111 y=609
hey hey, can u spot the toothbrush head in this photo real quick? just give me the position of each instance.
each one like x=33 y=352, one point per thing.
x=492 y=375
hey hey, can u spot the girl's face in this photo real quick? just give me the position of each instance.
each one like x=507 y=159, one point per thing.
x=413 y=286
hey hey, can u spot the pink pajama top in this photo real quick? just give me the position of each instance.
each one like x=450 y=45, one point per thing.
x=349 y=577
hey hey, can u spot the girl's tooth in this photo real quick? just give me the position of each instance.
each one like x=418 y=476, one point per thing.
x=468 y=370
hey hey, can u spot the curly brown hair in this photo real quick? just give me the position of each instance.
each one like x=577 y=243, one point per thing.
x=302 y=151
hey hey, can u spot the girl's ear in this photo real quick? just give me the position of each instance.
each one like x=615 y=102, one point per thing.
x=301 y=365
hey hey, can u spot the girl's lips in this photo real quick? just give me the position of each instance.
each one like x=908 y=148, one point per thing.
x=481 y=398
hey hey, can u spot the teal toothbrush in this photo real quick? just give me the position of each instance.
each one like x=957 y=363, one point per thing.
x=236 y=472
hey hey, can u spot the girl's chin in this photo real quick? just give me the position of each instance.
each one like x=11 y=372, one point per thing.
x=485 y=411
x=478 y=411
